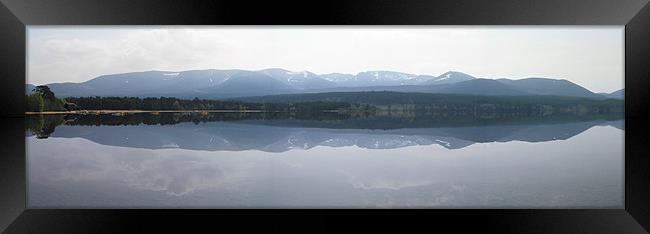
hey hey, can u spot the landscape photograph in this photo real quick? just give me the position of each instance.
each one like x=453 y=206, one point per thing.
x=325 y=117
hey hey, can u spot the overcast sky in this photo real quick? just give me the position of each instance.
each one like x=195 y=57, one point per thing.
x=589 y=56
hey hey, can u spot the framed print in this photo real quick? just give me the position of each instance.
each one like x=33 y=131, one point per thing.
x=519 y=116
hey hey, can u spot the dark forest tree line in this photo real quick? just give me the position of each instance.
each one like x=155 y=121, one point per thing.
x=170 y=103
x=360 y=103
x=43 y=99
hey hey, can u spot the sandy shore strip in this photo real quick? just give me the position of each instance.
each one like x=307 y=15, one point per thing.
x=91 y=112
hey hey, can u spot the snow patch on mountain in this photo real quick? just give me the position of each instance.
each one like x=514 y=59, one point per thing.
x=303 y=73
x=447 y=76
x=446 y=143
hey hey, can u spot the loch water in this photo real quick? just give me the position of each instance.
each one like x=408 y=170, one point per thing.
x=219 y=160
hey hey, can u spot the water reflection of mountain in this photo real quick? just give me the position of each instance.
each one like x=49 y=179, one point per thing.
x=281 y=134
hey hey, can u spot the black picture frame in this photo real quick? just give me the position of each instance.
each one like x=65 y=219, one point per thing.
x=15 y=15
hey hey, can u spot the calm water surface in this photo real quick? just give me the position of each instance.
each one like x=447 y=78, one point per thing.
x=324 y=163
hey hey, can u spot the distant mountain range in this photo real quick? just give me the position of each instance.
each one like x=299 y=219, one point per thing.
x=214 y=83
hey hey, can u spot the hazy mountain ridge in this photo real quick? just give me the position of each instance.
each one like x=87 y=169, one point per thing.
x=213 y=83
x=303 y=80
x=543 y=86
x=447 y=78
x=620 y=94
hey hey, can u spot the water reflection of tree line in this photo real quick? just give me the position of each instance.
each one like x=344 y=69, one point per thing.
x=44 y=125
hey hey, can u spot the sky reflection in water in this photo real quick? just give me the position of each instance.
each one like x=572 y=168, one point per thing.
x=226 y=164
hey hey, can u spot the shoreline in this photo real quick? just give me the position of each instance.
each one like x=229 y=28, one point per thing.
x=90 y=112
